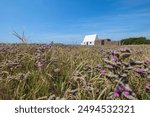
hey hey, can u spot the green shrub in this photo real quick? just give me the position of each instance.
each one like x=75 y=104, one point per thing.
x=135 y=41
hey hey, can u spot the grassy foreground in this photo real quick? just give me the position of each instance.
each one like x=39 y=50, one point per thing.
x=74 y=72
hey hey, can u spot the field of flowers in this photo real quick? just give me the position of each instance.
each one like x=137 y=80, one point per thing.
x=74 y=72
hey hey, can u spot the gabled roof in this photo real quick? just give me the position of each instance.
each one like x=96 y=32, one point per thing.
x=90 y=38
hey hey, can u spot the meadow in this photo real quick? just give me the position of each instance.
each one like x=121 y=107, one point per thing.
x=55 y=72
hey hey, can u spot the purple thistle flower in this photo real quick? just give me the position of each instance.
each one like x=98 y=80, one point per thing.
x=116 y=94
x=140 y=70
x=113 y=51
x=115 y=58
x=126 y=93
x=117 y=89
x=103 y=72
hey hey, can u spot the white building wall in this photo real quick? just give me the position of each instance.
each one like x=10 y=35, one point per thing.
x=89 y=40
x=88 y=43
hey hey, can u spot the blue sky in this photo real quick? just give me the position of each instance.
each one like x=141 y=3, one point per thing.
x=67 y=21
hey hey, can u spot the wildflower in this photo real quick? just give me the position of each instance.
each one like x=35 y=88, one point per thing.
x=140 y=70
x=103 y=72
x=113 y=51
x=116 y=94
x=115 y=58
x=126 y=93
x=118 y=89
x=123 y=89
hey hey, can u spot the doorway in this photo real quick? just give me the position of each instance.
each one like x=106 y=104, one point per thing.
x=102 y=42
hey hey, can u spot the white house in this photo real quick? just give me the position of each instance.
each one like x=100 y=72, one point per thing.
x=89 y=39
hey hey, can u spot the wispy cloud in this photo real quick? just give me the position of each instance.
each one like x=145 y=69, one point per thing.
x=116 y=27
x=120 y=24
